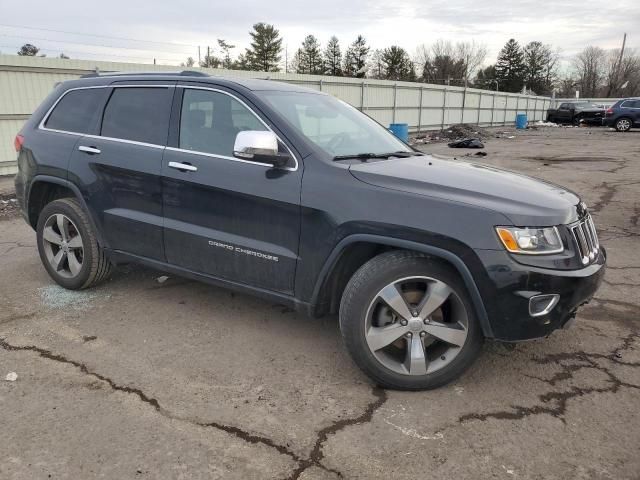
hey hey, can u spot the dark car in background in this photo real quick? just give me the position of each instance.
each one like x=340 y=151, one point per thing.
x=295 y=196
x=623 y=115
x=576 y=112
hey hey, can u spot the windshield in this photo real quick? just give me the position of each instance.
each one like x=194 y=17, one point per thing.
x=334 y=126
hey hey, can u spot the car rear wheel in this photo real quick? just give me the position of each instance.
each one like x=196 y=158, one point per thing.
x=68 y=246
x=623 y=124
x=408 y=323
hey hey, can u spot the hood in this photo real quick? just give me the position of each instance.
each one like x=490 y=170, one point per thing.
x=526 y=201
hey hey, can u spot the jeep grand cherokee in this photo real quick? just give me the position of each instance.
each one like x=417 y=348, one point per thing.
x=296 y=196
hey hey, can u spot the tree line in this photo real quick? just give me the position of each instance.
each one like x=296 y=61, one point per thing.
x=534 y=67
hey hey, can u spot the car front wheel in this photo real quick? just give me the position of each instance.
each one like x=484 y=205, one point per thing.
x=408 y=322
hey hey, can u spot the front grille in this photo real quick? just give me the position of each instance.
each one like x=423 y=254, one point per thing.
x=586 y=239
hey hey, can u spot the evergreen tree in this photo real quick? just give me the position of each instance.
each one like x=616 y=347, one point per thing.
x=28 y=50
x=298 y=63
x=376 y=65
x=355 y=59
x=397 y=64
x=539 y=67
x=333 y=58
x=486 y=79
x=226 y=53
x=510 y=69
x=308 y=58
x=189 y=63
x=242 y=62
x=266 y=45
x=210 y=60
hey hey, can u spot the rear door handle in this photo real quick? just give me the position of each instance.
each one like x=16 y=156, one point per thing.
x=183 y=166
x=89 y=150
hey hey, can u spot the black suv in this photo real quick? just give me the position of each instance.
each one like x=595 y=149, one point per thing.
x=623 y=115
x=295 y=196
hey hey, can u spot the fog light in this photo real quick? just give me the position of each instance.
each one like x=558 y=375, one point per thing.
x=542 y=304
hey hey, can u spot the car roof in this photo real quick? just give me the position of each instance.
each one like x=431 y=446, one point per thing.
x=94 y=79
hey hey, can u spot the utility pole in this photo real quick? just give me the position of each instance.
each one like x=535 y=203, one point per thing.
x=619 y=65
x=199 y=60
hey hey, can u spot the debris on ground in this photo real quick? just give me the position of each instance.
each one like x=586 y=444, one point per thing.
x=11 y=377
x=454 y=132
x=55 y=297
x=162 y=279
x=541 y=123
x=505 y=134
x=467 y=143
x=8 y=206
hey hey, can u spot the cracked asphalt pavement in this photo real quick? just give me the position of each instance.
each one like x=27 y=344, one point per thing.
x=142 y=379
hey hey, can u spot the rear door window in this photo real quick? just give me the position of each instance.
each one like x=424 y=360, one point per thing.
x=77 y=111
x=140 y=114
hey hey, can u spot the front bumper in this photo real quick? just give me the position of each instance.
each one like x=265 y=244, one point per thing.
x=509 y=285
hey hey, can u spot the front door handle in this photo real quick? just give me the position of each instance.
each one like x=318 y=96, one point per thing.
x=186 y=167
x=89 y=150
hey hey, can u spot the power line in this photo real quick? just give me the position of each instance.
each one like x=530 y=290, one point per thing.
x=89 y=44
x=103 y=55
x=99 y=36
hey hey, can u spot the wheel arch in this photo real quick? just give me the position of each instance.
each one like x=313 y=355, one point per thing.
x=355 y=250
x=44 y=189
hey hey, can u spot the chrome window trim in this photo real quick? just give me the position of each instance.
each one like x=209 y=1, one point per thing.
x=123 y=140
x=234 y=159
x=222 y=157
x=41 y=126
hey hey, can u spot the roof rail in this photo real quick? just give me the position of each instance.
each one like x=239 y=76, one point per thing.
x=183 y=73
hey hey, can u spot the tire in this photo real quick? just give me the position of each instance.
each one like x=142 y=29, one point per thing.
x=623 y=124
x=74 y=259
x=362 y=306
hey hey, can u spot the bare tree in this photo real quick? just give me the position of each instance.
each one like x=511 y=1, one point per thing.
x=444 y=62
x=472 y=55
x=439 y=63
x=621 y=72
x=590 y=66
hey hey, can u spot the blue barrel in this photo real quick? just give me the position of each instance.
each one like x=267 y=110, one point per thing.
x=400 y=130
x=521 y=121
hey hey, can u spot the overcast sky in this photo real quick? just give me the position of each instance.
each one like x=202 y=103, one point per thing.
x=567 y=24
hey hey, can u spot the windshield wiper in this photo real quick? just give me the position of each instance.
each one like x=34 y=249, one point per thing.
x=366 y=156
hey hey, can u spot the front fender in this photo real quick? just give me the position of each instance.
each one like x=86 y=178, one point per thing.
x=460 y=266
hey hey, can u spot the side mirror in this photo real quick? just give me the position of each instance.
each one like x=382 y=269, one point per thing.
x=259 y=146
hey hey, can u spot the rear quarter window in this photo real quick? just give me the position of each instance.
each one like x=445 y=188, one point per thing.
x=77 y=111
x=140 y=114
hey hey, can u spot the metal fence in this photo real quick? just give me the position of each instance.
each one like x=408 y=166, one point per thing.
x=25 y=81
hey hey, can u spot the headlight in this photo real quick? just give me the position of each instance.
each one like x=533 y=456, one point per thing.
x=531 y=241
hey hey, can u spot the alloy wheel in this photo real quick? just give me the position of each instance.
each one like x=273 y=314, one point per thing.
x=63 y=245
x=416 y=325
x=624 y=124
